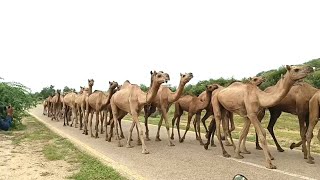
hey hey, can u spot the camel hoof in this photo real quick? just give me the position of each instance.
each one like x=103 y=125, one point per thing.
x=86 y=133
x=70 y=125
x=181 y=140
x=172 y=137
x=157 y=139
x=145 y=151
x=225 y=154
x=258 y=148
x=171 y=144
x=310 y=161
x=271 y=166
x=131 y=139
x=120 y=145
x=213 y=145
x=205 y=146
x=92 y=135
x=122 y=136
x=129 y=146
x=271 y=157
x=148 y=139
x=238 y=156
x=109 y=139
x=280 y=150
x=201 y=143
x=139 y=143
x=97 y=136
x=293 y=145
x=64 y=125
x=80 y=128
x=245 y=152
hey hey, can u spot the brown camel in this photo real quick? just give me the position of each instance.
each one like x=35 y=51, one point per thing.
x=249 y=101
x=98 y=101
x=193 y=105
x=131 y=99
x=228 y=118
x=56 y=105
x=49 y=99
x=295 y=102
x=314 y=115
x=81 y=104
x=70 y=103
x=164 y=99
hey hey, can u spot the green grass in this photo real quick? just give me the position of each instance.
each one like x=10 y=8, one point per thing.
x=286 y=128
x=58 y=148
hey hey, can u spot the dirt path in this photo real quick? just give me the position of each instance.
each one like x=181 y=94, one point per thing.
x=187 y=160
x=26 y=161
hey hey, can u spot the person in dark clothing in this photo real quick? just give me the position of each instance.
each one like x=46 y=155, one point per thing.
x=6 y=123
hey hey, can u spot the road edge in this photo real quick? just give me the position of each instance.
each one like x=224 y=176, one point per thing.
x=122 y=169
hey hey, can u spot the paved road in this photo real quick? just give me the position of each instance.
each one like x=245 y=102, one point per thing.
x=188 y=160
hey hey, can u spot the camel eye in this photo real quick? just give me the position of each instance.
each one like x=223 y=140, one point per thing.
x=296 y=70
x=159 y=75
x=184 y=76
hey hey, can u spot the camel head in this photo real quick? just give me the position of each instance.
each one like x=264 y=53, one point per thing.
x=90 y=82
x=159 y=77
x=211 y=87
x=298 y=72
x=81 y=89
x=256 y=80
x=185 y=78
x=113 y=85
x=58 y=92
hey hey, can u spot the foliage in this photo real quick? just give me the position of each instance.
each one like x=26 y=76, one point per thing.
x=66 y=89
x=46 y=92
x=144 y=88
x=19 y=97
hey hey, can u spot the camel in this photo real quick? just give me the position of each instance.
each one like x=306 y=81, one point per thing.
x=295 y=102
x=49 y=99
x=228 y=118
x=131 y=99
x=193 y=105
x=45 y=106
x=70 y=102
x=81 y=104
x=314 y=115
x=56 y=105
x=164 y=99
x=249 y=101
x=98 y=101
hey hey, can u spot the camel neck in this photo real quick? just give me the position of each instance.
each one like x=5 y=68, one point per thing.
x=207 y=100
x=176 y=95
x=276 y=94
x=152 y=93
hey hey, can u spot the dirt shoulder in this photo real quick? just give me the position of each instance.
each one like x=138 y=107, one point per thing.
x=37 y=153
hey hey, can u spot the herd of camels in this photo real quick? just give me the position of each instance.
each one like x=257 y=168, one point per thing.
x=290 y=94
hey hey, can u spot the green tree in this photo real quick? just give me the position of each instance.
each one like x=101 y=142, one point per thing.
x=47 y=91
x=66 y=89
x=144 y=88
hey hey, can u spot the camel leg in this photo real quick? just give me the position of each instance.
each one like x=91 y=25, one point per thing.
x=101 y=121
x=227 y=131
x=138 y=140
x=313 y=120
x=121 y=132
x=203 y=120
x=188 y=126
x=198 y=115
x=90 y=123
x=173 y=121
x=210 y=134
x=243 y=138
x=136 y=120
x=159 y=126
x=274 y=115
x=74 y=116
x=165 y=117
x=111 y=129
x=130 y=135
x=218 y=121
x=148 y=110
x=97 y=124
x=106 y=125
x=115 y=112
x=262 y=137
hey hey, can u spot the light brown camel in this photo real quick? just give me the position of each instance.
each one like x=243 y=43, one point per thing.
x=49 y=99
x=131 y=99
x=81 y=104
x=164 y=99
x=45 y=106
x=314 y=115
x=296 y=102
x=97 y=102
x=70 y=103
x=249 y=101
x=227 y=119
x=193 y=105
x=56 y=105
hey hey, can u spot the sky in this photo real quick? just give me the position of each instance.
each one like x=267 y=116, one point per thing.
x=65 y=43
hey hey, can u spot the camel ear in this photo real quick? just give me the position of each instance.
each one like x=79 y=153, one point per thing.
x=288 y=67
x=110 y=82
x=206 y=86
x=151 y=72
x=180 y=74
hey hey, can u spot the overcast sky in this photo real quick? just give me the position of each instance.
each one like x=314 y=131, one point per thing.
x=66 y=42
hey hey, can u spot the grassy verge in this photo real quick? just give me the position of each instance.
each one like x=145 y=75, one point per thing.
x=58 y=148
x=286 y=129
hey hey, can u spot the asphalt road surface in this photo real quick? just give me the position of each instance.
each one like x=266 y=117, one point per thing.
x=187 y=160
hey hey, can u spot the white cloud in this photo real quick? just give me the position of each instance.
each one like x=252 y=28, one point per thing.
x=67 y=42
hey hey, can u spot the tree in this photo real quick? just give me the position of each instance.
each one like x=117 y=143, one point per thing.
x=47 y=91
x=144 y=88
x=66 y=89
